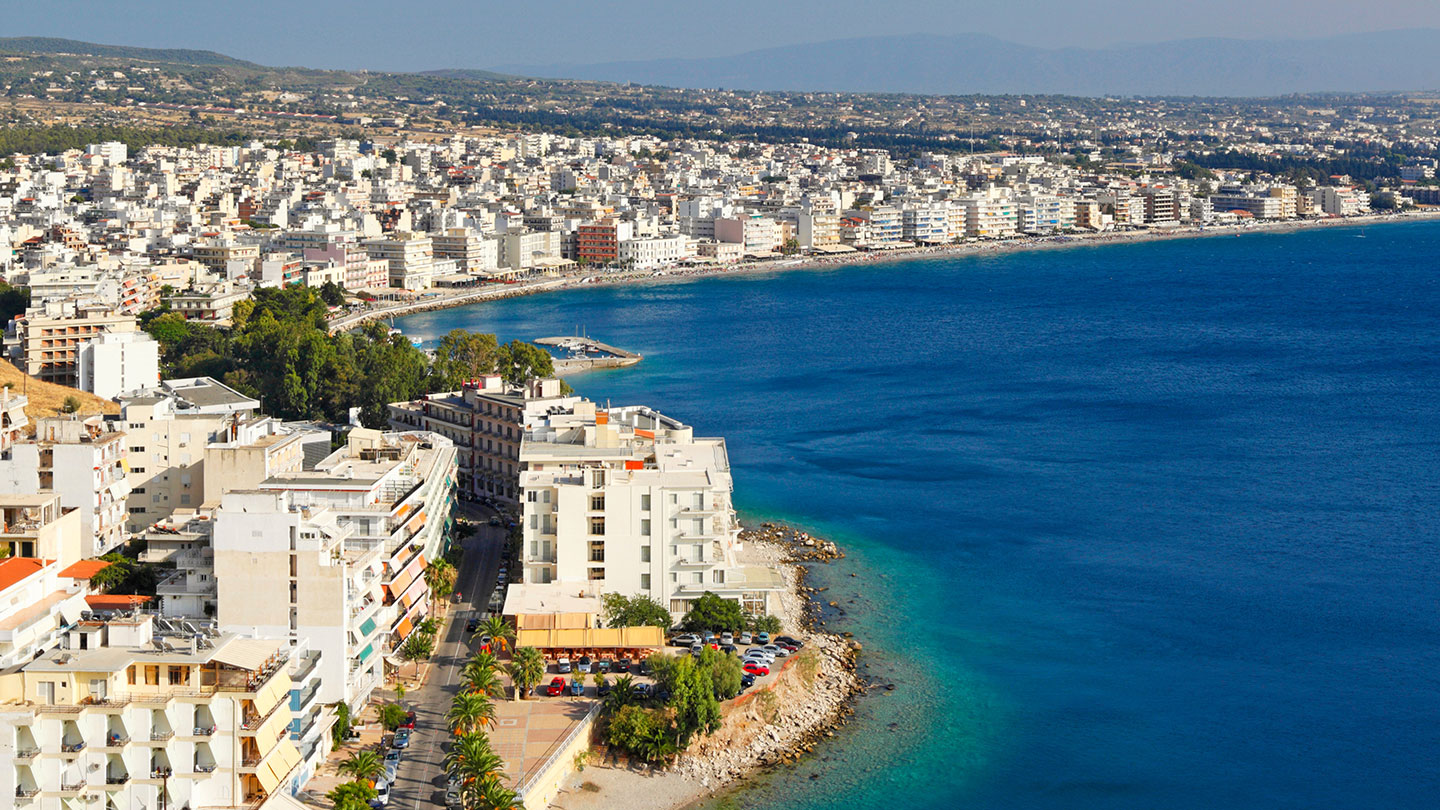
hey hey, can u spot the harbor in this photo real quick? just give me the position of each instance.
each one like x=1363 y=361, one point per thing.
x=575 y=354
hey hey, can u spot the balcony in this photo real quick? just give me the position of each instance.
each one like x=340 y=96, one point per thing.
x=204 y=731
x=115 y=782
x=72 y=748
x=117 y=741
x=26 y=793
x=74 y=784
x=28 y=752
x=161 y=736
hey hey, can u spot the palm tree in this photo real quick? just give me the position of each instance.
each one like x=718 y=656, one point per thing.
x=499 y=631
x=526 y=670
x=468 y=712
x=483 y=660
x=480 y=680
x=621 y=696
x=491 y=794
x=364 y=765
x=440 y=575
x=471 y=759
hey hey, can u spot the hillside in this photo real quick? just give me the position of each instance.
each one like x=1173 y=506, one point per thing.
x=47 y=398
x=1386 y=61
x=177 y=56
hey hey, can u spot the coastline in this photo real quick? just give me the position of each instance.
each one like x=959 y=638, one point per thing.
x=777 y=725
x=786 y=264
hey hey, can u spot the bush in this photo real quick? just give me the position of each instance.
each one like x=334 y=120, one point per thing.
x=639 y=611
x=714 y=613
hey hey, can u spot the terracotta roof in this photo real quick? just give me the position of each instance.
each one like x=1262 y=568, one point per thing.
x=85 y=569
x=16 y=569
x=115 y=601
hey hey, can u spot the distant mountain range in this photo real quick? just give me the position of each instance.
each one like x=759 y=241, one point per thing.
x=974 y=63
x=179 y=56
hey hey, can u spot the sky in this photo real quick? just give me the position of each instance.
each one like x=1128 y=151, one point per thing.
x=432 y=34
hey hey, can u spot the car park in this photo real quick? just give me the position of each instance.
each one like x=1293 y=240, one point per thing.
x=562 y=665
x=556 y=688
x=643 y=667
x=621 y=665
x=756 y=668
x=727 y=638
x=728 y=648
x=745 y=639
x=392 y=757
x=685 y=640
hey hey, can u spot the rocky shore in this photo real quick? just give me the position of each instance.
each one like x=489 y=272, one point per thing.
x=809 y=701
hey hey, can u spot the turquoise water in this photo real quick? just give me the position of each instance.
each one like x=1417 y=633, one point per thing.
x=1133 y=526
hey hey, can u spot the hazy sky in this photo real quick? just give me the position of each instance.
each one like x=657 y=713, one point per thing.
x=480 y=33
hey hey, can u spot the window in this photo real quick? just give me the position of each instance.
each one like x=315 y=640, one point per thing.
x=532 y=496
x=644 y=503
x=597 y=573
x=644 y=554
x=645 y=526
x=718 y=576
x=698 y=577
x=644 y=582
x=597 y=525
x=597 y=503
x=597 y=552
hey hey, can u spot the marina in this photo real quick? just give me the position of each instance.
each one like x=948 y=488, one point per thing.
x=576 y=354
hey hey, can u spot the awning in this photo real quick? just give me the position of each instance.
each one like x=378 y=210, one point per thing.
x=366 y=653
x=246 y=653
x=268 y=779
x=70 y=611
x=402 y=630
x=367 y=627
x=592 y=638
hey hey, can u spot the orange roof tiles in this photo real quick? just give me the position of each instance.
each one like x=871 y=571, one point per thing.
x=16 y=569
x=85 y=569
x=115 y=601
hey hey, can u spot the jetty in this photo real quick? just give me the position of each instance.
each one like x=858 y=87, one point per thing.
x=587 y=354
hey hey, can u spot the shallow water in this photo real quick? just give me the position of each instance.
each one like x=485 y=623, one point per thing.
x=1134 y=526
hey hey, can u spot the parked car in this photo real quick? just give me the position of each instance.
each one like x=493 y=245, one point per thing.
x=762 y=638
x=643 y=667
x=452 y=794
x=556 y=688
x=604 y=689
x=402 y=738
x=601 y=665
x=472 y=624
x=562 y=665
x=641 y=690
x=696 y=648
x=382 y=794
x=746 y=681
x=660 y=692
x=392 y=757
x=728 y=648
x=727 y=638
x=756 y=668
x=577 y=688
x=789 y=641
x=409 y=721
x=684 y=640
x=746 y=639
x=621 y=665
x=494 y=520
x=707 y=637
x=484 y=644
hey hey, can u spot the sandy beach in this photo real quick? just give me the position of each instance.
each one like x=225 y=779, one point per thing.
x=788 y=263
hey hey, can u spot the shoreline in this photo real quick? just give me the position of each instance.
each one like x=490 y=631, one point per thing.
x=778 y=725
x=600 y=278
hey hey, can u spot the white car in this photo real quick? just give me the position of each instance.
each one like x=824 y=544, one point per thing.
x=382 y=795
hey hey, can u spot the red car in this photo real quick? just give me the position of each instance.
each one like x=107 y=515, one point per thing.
x=756 y=669
x=409 y=721
x=557 y=687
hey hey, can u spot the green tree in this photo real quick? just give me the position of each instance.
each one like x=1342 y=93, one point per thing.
x=692 y=700
x=471 y=760
x=490 y=793
x=113 y=576
x=481 y=681
x=725 y=672
x=501 y=632
x=470 y=712
x=624 y=611
x=714 y=613
x=342 y=724
x=519 y=361
x=71 y=404
x=352 y=796
x=526 y=670
x=440 y=576
x=643 y=732
x=332 y=294
x=13 y=301
x=621 y=696
x=392 y=716
x=463 y=356
x=365 y=765
x=765 y=624
x=417 y=648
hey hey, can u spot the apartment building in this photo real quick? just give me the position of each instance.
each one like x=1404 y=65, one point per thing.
x=169 y=429
x=351 y=537
x=221 y=255
x=212 y=302
x=657 y=251
x=1341 y=202
x=42 y=584
x=13 y=420
x=925 y=224
x=758 y=234
x=472 y=253
x=45 y=342
x=486 y=419
x=136 y=712
x=599 y=242
x=82 y=462
x=115 y=362
x=524 y=250
x=409 y=256
x=627 y=500
x=38 y=525
x=1254 y=203
x=990 y=214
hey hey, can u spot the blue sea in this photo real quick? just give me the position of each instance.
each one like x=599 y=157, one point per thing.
x=1132 y=526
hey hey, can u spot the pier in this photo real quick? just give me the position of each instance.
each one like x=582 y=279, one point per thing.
x=587 y=354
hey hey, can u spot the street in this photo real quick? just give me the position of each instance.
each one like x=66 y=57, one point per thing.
x=421 y=780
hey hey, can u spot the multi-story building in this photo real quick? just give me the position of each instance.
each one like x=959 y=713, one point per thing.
x=137 y=712
x=225 y=255
x=627 y=500
x=1258 y=205
x=758 y=234
x=351 y=537
x=657 y=251
x=115 y=362
x=13 y=420
x=38 y=525
x=524 y=250
x=212 y=302
x=486 y=419
x=84 y=463
x=409 y=256
x=990 y=214
x=169 y=429
x=1341 y=202
x=599 y=242
x=46 y=341
x=472 y=253
x=926 y=224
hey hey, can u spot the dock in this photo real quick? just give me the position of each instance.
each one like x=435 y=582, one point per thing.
x=587 y=354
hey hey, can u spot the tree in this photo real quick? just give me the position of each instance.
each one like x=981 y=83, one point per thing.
x=113 y=575
x=526 y=670
x=469 y=712
x=491 y=794
x=482 y=660
x=13 y=301
x=440 y=575
x=692 y=700
x=621 y=696
x=519 y=361
x=342 y=724
x=725 y=672
x=70 y=405
x=417 y=648
x=332 y=294
x=638 y=611
x=392 y=716
x=714 y=613
x=765 y=624
x=352 y=795
x=481 y=681
x=471 y=759
x=499 y=631
x=365 y=765
x=641 y=731
x=463 y=356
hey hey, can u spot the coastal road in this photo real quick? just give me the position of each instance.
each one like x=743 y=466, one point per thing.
x=421 y=780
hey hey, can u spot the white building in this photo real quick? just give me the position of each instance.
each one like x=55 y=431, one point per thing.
x=115 y=362
x=83 y=463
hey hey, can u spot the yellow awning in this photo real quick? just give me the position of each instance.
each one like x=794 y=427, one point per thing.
x=592 y=638
x=271 y=729
x=268 y=779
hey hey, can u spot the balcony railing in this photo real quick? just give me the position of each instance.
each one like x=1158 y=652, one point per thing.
x=74 y=783
x=122 y=779
x=71 y=748
x=204 y=767
x=160 y=773
x=113 y=740
x=161 y=736
x=205 y=731
x=26 y=793
x=27 y=752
